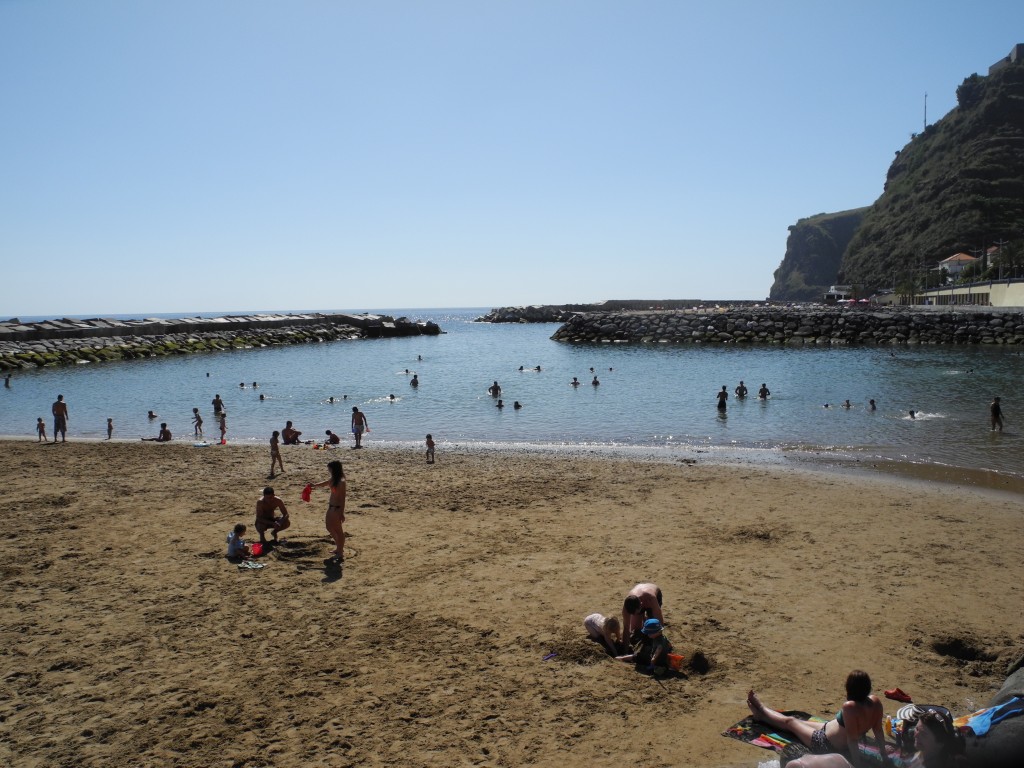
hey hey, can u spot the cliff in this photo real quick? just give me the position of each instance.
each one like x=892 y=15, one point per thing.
x=956 y=187
x=814 y=251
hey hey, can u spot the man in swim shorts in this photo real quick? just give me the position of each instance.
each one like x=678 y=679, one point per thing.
x=358 y=425
x=60 y=419
x=266 y=520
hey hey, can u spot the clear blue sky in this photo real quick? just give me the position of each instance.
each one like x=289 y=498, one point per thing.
x=241 y=154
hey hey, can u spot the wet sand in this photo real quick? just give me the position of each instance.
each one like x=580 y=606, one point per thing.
x=128 y=639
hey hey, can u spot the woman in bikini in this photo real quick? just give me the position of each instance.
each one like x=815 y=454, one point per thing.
x=335 y=510
x=860 y=714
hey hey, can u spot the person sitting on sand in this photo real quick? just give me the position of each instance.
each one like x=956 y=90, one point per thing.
x=605 y=630
x=643 y=602
x=290 y=435
x=332 y=438
x=163 y=437
x=266 y=520
x=861 y=713
x=237 y=548
x=653 y=651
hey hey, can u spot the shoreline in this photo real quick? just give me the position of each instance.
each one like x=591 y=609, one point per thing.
x=134 y=640
x=810 y=461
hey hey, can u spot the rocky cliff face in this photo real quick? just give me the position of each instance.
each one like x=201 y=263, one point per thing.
x=814 y=251
x=957 y=186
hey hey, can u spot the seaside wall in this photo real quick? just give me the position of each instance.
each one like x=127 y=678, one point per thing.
x=560 y=313
x=70 y=342
x=798 y=326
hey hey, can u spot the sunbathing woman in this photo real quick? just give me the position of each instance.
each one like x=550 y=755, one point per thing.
x=860 y=714
x=335 y=510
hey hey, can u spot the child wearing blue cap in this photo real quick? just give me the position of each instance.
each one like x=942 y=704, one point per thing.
x=653 y=650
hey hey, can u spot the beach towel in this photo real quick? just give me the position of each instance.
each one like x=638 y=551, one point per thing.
x=981 y=721
x=760 y=734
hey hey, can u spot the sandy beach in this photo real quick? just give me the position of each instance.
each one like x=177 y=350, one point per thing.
x=128 y=639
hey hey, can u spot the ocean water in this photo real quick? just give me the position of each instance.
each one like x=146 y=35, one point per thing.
x=651 y=397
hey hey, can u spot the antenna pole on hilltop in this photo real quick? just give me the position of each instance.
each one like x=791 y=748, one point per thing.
x=926 y=110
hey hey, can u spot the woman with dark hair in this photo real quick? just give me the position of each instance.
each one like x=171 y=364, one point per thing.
x=335 y=510
x=861 y=713
x=939 y=744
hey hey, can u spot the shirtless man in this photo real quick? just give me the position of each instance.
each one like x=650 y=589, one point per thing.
x=643 y=602
x=494 y=390
x=163 y=437
x=266 y=520
x=359 y=426
x=290 y=435
x=218 y=405
x=60 y=419
x=741 y=390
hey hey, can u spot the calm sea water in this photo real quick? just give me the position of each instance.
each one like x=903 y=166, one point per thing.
x=650 y=396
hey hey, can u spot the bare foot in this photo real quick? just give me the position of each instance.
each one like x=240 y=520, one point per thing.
x=756 y=707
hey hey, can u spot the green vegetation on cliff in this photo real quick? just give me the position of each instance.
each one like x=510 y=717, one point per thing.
x=814 y=250
x=956 y=187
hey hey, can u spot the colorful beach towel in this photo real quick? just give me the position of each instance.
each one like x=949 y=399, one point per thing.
x=759 y=734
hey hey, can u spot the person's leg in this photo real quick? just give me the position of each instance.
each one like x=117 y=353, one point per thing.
x=261 y=530
x=802 y=729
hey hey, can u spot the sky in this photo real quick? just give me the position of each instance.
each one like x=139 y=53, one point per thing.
x=233 y=155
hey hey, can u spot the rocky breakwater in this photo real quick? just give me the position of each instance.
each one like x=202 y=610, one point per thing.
x=70 y=342
x=798 y=326
x=560 y=313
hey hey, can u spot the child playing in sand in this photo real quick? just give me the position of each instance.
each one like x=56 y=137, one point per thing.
x=605 y=630
x=110 y=428
x=430 y=449
x=237 y=548
x=41 y=430
x=198 y=421
x=653 y=651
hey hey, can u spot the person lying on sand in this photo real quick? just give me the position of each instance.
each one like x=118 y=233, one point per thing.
x=861 y=713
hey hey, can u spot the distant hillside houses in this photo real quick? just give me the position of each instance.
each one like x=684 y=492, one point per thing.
x=956 y=263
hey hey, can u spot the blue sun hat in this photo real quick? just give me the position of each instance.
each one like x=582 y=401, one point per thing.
x=651 y=627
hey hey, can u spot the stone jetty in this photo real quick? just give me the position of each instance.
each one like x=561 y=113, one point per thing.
x=70 y=342
x=560 y=313
x=799 y=326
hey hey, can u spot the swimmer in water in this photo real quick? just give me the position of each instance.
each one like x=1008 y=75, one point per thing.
x=500 y=404
x=913 y=415
x=871 y=405
x=595 y=382
x=391 y=398
x=846 y=404
x=575 y=382
x=517 y=405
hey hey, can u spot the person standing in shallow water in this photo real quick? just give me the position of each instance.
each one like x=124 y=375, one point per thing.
x=996 y=414
x=723 y=397
x=741 y=390
x=359 y=426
